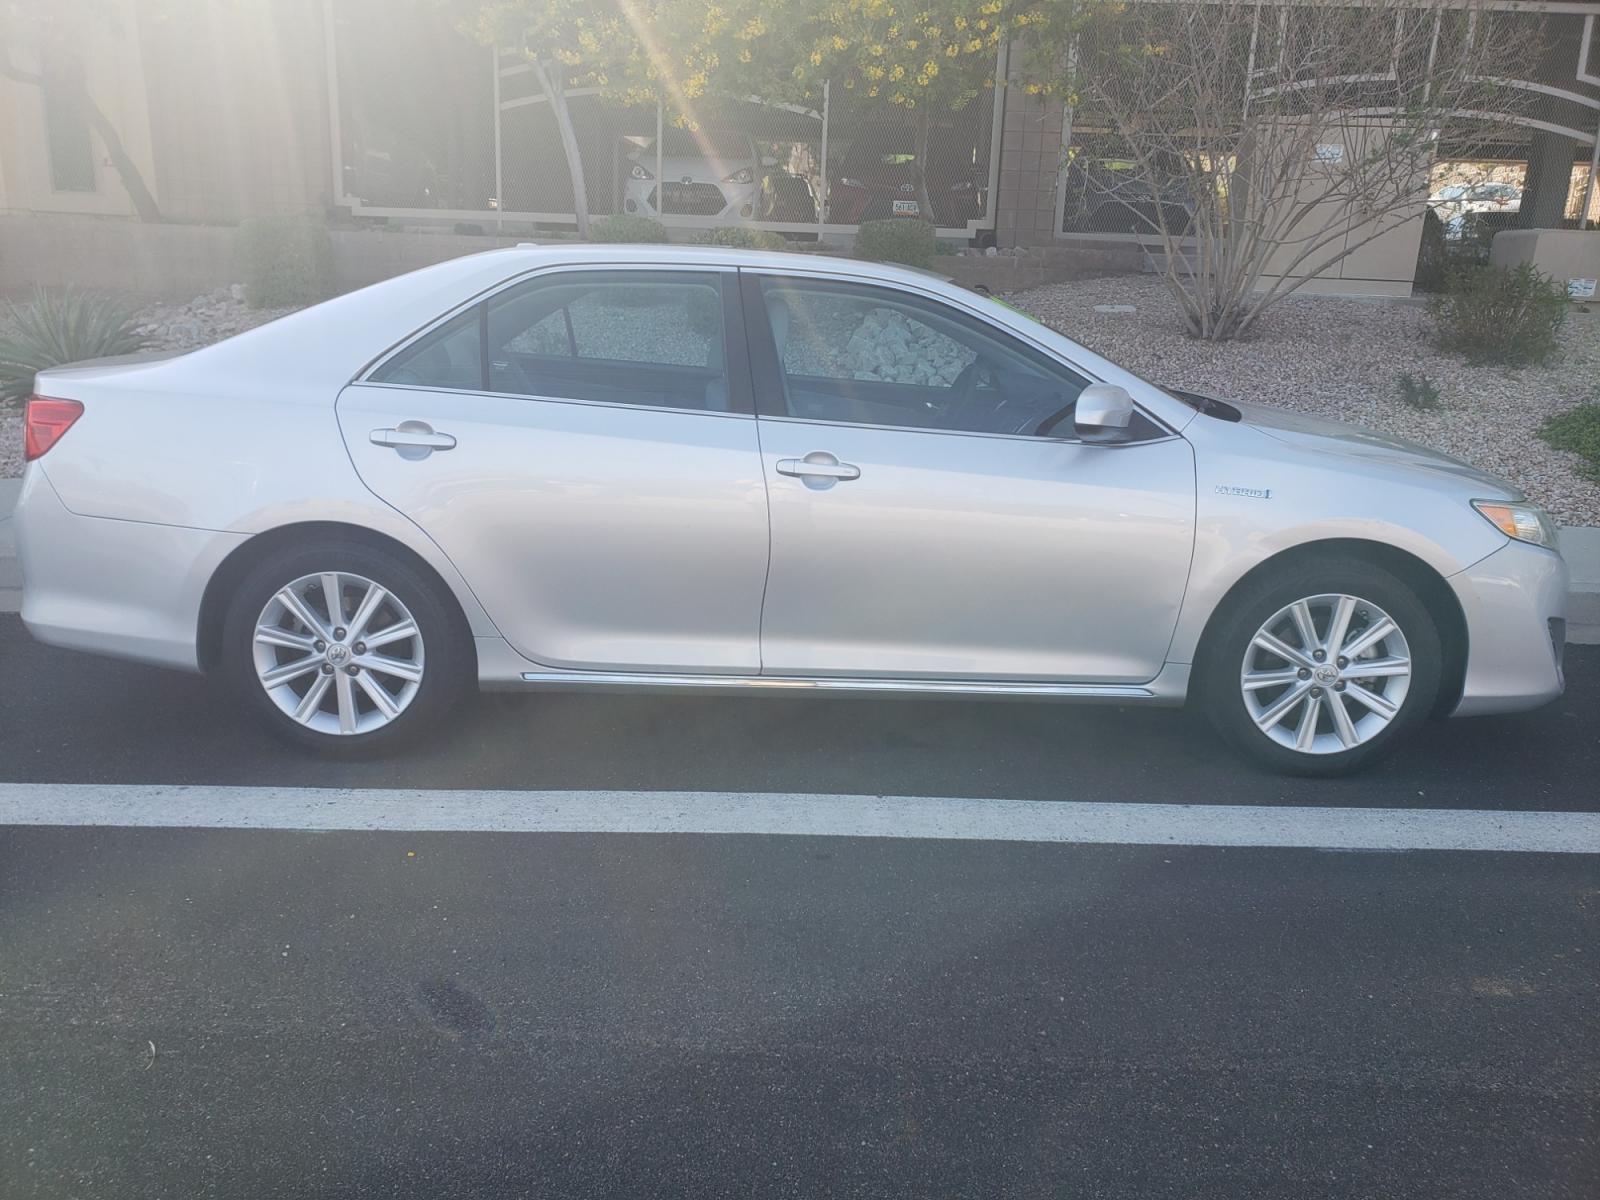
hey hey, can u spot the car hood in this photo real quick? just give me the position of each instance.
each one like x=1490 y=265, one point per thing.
x=1322 y=437
x=702 y=169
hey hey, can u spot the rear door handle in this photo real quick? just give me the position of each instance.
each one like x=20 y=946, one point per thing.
x=819 y=464
x=412 y=435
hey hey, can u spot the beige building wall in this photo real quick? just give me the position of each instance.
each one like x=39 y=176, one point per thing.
x=1383 y=250
x=238 y=103
x=222 y=106
x=1562 y=254
x=115 y=76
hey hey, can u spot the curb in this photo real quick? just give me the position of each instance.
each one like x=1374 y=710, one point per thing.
x=1580 y=546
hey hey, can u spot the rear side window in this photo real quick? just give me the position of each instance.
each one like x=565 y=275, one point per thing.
x=449 y=357
x=655 y=338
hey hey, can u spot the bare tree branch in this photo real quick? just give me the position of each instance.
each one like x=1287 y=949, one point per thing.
x=1290 y=135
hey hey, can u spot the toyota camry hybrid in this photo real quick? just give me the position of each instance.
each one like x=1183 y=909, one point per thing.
x=691 y=469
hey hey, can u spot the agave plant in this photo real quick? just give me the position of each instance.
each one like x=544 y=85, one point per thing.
x=63 y=327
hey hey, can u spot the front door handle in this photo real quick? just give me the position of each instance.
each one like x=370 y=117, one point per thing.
x=819 y=464
x=413 y=439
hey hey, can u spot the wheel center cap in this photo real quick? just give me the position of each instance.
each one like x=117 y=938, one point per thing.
x=1326 y=673
x=338 y=654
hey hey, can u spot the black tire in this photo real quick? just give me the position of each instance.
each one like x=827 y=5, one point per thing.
x=448 y=663
x=1223 y=654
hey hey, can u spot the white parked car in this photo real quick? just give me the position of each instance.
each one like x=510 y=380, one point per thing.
x=1457 y=200
x=704 y=173
x=685 y=468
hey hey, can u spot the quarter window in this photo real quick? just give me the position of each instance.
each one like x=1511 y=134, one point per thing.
x=449 y=357
x=871 y=356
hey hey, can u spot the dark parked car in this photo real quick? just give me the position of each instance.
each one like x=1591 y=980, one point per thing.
x=1111 y=195
x=882 y=178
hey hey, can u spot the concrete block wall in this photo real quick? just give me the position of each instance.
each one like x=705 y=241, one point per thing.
x=1030 y=157
x=179 y=262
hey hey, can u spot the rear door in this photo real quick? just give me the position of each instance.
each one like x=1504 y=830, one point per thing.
x=583 y=448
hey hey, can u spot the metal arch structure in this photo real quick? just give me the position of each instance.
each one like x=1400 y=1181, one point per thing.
x=501 y=72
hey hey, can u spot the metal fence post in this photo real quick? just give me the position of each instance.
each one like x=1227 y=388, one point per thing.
x=661 y=184
x=822 y=198
x=499 y=171
x=1588 y=187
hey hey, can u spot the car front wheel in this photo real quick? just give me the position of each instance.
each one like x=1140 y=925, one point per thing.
x=1322 y=668
x=344 y=648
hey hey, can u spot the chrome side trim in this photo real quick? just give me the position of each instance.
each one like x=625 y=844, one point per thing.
x=912 y=687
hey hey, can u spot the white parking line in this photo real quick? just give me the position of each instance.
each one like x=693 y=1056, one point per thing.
x=944 y=818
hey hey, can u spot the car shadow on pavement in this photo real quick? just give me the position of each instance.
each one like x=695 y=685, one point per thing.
x=67 y=717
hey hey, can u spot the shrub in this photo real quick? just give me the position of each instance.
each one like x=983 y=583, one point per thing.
x=1433 y=253
x=897 y=240
x=52 y=330
x=287 y=261
x=741 y=237
x=1418 y=392
x=1500 y=314
x=628 y=229
x=1577 y=430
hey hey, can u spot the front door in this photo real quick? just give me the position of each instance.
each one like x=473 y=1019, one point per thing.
x=579 y=448
x=922 y=527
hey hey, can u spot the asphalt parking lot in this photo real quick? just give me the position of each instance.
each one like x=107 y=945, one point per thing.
x=272 y=1012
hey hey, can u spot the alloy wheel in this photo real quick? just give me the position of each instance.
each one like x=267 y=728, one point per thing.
x=338 y=653
x=1326 y=673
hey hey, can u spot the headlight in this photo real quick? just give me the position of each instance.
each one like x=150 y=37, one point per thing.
x=639 y=172
x=1524 y=522
x=742 y=175
x=852 y=183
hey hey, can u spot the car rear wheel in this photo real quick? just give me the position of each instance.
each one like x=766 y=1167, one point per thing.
x=1322 y=668
x=344 y=648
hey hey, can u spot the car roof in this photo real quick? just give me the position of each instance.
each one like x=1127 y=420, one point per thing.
x=310 y=351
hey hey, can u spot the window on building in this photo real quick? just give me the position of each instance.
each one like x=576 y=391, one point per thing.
x=66 y=122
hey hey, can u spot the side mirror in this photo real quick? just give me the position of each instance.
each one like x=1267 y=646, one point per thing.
x=1102 y=408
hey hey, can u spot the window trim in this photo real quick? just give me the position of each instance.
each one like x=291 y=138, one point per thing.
x=767 y=371
x=736 y=357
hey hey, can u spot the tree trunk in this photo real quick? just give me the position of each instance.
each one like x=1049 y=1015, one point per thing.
x=924 y=200
x=549 y=77
x=127 y=170
x=144 y=203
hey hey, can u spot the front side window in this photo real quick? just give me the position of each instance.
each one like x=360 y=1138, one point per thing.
x=871 y=356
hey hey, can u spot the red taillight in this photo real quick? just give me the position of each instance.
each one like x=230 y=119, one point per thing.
x=46 y=421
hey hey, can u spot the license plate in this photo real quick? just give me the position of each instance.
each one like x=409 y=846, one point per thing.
x=906 y=208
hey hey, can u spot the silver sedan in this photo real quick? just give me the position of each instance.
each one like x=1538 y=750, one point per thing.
x=702 y=470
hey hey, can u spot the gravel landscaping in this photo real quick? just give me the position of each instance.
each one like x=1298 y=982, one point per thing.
x=1342 y=359
x=1321 y=355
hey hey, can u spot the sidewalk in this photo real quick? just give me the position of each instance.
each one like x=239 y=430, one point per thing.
x=1580 y=546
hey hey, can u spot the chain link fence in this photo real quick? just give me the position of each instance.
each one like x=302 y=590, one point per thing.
x=431 y=127
x=1525 y=158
